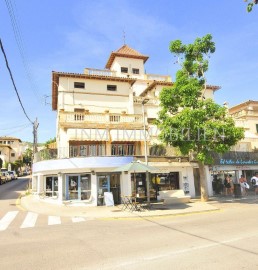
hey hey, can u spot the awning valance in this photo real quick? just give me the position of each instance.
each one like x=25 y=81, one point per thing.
x=88 y=134
x=128 y=135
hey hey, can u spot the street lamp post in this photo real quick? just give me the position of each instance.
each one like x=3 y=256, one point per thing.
x=144 y=101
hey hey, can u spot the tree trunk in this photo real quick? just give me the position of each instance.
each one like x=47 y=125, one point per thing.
x=203 y=182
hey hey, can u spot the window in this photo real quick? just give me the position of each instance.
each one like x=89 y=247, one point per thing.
x=257 y=128
x=12 y=154
x=85 y=185
x=79 y=85
x=136 y=71
x=124 y=69
x=122 y=150
x=51 y=186
x=87 y=150
x=111 y=87
x=1 y=142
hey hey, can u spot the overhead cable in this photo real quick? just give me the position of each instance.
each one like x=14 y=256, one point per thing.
x=10 y=72
x=20 y=44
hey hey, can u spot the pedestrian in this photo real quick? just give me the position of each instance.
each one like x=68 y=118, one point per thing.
x=254 y=181
x=227 y=185
x=243 y=184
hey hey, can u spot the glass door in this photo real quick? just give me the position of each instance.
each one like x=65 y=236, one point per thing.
x=103 y=186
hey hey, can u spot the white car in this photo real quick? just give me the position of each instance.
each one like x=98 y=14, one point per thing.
x=13 y=174
x=8 y=176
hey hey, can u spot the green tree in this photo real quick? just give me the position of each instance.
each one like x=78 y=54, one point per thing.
x=189 y=121
x=250 y=4
x=27 y=156
x=49 y=142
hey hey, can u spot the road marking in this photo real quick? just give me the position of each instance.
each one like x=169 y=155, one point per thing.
x=78 y=219
x=30 y=220
x=54 y=220
x=7 y=219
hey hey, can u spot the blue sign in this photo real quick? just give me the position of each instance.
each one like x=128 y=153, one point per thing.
x=238 y=162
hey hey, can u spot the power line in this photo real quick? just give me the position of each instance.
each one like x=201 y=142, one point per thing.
x=15 y=127
x=10 y=72
x=20 y=44
x=14 y=132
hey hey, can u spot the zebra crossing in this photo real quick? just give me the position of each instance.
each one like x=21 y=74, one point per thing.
x=30 y=220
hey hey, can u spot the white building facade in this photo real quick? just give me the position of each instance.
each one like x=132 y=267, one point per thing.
x=104 y=119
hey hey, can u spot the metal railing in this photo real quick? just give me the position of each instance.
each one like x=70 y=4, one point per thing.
x=94 y=150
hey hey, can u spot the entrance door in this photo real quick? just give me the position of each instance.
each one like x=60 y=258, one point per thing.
x=103 y=186
x=115 y=187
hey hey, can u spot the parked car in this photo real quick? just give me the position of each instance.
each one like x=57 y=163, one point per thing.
x=13 y=174
x=7 y=175
x=2 y=178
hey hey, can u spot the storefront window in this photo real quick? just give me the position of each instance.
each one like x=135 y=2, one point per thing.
x=165 y=181
x=79 y=187
x=51 y=186
x=85 y=187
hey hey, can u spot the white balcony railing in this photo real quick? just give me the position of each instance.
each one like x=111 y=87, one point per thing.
x=152 y=101
x=99 y=72
x=107 y=72
x=157 y=77
x=100 y=118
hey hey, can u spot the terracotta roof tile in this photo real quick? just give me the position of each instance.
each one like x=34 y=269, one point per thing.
x=125 y=51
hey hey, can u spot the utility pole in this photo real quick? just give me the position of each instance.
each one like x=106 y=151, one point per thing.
x=35 y=137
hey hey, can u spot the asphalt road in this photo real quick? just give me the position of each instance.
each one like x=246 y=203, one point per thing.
x=226 y=239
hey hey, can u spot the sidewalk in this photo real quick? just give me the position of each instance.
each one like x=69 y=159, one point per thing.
x=33 y=204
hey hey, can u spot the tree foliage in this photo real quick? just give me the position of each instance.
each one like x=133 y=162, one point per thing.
x=27 y=156
x=187 y=120
x=250 y=4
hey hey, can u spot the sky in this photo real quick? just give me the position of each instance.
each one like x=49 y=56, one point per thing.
x=68 y=36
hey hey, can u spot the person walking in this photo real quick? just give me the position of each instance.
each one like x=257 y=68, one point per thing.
x=244 y=185
x=254 y=181
x=227 y=185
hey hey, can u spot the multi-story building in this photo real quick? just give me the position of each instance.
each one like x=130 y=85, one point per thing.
x=243 y=157
x=105 y=118
x=10 y=150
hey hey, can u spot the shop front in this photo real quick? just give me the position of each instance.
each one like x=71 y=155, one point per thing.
x=108 y=182
x=158 y=182
x=81 y=181
x=233 y=164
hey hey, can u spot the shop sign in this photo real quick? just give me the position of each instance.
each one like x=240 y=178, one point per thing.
x=238 y=162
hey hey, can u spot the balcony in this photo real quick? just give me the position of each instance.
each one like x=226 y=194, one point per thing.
x=107 y=72
x=99 y=120
x=99 y=72
x=139 y=100
x=156 y=77
x=117 y=149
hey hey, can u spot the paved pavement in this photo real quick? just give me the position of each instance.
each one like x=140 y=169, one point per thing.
x=36 y=205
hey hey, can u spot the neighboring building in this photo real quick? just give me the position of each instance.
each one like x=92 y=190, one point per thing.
x=10 y=149
x=104 y=119
x=243 y=159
